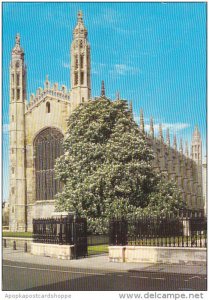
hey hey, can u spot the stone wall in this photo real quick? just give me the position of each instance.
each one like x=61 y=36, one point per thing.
x=52 y=250
x=174 y=255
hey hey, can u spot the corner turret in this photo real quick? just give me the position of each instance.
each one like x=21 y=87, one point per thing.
x=80 y=64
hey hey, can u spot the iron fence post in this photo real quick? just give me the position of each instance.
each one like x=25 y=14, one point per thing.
x=14 y=246
x=75 y=236
x=25 y=247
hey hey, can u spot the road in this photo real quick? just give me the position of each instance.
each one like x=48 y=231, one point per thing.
x=33 y=277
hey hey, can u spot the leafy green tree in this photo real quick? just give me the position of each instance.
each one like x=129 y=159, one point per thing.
x=165 y=199
x=106 y=167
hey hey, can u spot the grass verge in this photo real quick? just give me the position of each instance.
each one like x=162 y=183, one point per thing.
x=17 y=234
x=96 y=249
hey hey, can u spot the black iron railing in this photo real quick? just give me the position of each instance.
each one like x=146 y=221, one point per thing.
x=182 y=230
x=54 y=230
x=64 y=231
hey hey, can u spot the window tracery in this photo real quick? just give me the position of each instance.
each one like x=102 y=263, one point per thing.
x=81 y=61
x=75 y=78
x=76 y=61
x=48 y=147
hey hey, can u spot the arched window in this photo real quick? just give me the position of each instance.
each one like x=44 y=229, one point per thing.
x=75 y=78
x=13 y=94
x=47 y=107
x=47 y=148
x=12 y=79
x=82 y=77
x=76 y=61
x=18 y=94
x=18 y=79
x=81 y=61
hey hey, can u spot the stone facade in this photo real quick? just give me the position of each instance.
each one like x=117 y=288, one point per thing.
x=50 y=109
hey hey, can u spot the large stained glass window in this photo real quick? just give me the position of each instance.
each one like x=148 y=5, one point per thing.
x=48 y=147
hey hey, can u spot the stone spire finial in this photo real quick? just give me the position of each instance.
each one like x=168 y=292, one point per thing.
x=186 y=149
x=196 y=133
x=131 y=108
x=174 y=142
x=168 y=137
x=47 y=83
x=17 y=39
x=151 y=130
x=80 y=16
x=103 y=89
x=17 y=49
x=117 y=96
x=160 y=132
x=196 y=147
x=80 y=30
x=181 y=146
x=141 y=124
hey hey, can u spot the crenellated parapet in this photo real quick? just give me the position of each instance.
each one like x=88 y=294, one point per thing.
x=52 y=92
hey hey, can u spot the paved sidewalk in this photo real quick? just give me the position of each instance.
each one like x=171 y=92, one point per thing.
x=101 y=263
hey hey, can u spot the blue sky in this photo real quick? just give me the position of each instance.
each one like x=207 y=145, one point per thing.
x=153 y=53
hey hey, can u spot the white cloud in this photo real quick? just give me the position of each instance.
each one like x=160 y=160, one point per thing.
x=115 y=70
x=122 y=69
x=98 y=68
x=110 y=15
x=173 y=127
x=111 y=19
x=123 y=31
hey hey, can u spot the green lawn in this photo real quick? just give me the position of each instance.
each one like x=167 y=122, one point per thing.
x=97 y=249
x=17 y=234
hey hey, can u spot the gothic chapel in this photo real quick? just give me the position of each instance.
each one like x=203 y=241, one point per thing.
x=37 y=130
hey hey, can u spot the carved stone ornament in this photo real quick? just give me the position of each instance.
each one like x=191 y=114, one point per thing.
x=17 y=39
x=17 y=49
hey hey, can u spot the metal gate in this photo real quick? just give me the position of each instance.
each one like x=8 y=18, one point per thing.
x=80 y=237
